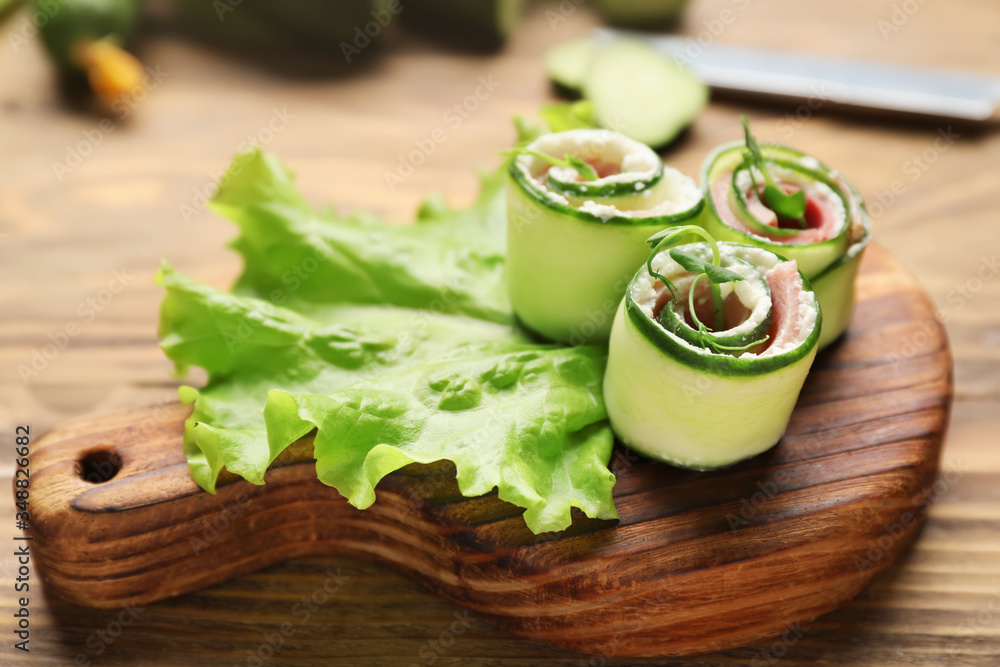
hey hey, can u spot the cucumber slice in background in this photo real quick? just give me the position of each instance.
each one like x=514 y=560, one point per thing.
x=568 y=63
x=478 y=23
x=640 y=13
x=642 y=93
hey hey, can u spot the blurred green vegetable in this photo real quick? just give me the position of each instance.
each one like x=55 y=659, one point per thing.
x=640 y=13
x=86 y=36
x=483 y=23
x=7 y=6
x=346 y=26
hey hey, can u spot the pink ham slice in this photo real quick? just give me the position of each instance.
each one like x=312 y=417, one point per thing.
x=785 y=284
x=826 y=229
x=605 y=169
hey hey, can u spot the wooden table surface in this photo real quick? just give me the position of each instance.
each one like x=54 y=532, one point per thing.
x=87 y=210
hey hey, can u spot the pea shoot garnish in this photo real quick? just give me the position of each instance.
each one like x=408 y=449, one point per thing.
x=791 y=206
x=712 y=271
x=585 y=171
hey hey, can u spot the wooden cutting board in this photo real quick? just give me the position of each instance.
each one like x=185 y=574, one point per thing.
x=698 y=561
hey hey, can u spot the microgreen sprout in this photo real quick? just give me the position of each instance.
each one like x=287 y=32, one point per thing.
x=586 y=172
x=706 y=336
x=787 y=205
x=671 y=236
x=713 y=271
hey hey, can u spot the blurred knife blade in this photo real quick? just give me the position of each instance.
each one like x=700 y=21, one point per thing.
x=814 y=80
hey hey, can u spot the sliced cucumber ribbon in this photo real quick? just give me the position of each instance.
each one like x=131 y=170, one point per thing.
x=677 y=398
x=567 y=183
x=571 y=252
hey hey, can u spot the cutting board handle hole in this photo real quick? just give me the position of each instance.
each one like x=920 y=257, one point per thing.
x=99 y=466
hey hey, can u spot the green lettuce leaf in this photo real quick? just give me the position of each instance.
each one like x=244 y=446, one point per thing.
x=451 y=261
x=395 y=344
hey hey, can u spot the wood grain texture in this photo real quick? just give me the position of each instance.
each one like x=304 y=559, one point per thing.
x=698 y=561
x=63 y=237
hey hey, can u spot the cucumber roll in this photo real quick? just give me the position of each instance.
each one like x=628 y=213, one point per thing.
x=580 y=206
x=709 y=350
x=790 y=203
